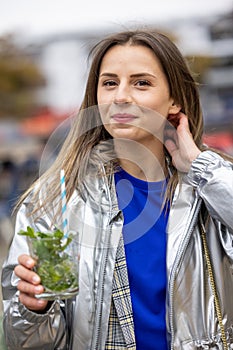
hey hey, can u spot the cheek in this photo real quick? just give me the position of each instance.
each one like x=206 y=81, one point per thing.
x=154 y=121
x=103 y=97
x=162 y=107
x=104 y=112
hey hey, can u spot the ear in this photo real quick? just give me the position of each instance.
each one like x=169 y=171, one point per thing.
x=174 y=108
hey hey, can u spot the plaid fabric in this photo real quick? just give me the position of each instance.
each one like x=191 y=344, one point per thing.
x=121 y=328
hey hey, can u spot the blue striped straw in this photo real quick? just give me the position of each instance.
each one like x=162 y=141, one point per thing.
x=63 y=199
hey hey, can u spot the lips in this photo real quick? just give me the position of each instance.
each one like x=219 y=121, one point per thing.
x=123 y=118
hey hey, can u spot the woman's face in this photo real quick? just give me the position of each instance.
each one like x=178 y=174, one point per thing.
x=133 y=93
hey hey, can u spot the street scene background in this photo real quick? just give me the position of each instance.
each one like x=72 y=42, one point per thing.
x=43 y=70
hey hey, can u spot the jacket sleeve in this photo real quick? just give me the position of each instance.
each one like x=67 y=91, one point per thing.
x=24 y=329
x=212 y=176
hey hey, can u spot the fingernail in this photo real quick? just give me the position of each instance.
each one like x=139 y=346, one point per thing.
x=41 y=302
x=36 y=279
x=29 y=262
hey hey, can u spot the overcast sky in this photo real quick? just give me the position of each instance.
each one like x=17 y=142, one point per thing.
x=51 y=16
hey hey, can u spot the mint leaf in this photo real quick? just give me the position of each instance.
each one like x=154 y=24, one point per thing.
x=30 y=232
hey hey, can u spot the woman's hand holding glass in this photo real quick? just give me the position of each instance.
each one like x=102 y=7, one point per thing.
x=29 y=284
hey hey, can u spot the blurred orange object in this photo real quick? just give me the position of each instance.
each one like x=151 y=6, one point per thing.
x=43 y=123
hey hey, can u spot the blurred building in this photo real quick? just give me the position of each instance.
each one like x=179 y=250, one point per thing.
x=218 y=92
x=63 y=58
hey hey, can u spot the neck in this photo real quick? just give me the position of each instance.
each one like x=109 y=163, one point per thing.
x=142 y=162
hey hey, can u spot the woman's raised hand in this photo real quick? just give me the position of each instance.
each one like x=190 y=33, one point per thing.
x=29 y=284
x=180 y=144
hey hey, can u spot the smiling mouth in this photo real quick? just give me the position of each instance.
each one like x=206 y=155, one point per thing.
x=123 y=118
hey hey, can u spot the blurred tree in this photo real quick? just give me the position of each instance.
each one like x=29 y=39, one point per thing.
x=20 y=77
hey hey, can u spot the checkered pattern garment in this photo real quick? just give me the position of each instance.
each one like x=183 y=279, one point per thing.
x=121 y=328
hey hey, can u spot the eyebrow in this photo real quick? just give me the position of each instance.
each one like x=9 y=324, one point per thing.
x=137 y=75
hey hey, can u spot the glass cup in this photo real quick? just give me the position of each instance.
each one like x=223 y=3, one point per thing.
x=57 y=263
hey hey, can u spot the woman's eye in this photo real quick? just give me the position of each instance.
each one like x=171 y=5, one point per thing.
x=109 y=83
x=143 y=83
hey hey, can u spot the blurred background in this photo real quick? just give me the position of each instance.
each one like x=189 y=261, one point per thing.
x=43 y=69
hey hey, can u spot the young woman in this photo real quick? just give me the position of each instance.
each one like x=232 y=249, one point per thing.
x=153 y=209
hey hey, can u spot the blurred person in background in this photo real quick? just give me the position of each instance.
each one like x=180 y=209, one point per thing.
x=153 y=209
x=8 y=176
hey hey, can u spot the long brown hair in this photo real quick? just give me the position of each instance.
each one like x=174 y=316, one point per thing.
x=87 y=130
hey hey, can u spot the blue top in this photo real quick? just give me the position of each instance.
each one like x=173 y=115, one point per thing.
x=144 y=235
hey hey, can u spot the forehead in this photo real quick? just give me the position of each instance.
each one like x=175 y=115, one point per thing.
x=129 y=55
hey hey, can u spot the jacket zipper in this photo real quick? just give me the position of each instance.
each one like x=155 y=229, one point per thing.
x=180 y=253
x=100 y=294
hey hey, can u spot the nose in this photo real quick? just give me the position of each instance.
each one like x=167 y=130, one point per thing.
x=122 y=94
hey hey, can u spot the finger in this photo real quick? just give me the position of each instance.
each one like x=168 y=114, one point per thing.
x=27 y=275
x=183 y=118
x=32 y=303
x=26 y=260
x=169 y=133
x=186 y=141
x=184 y=123
x=171 y=146
x=29 y=288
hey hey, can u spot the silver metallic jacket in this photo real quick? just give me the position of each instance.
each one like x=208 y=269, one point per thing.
x=191 y=316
